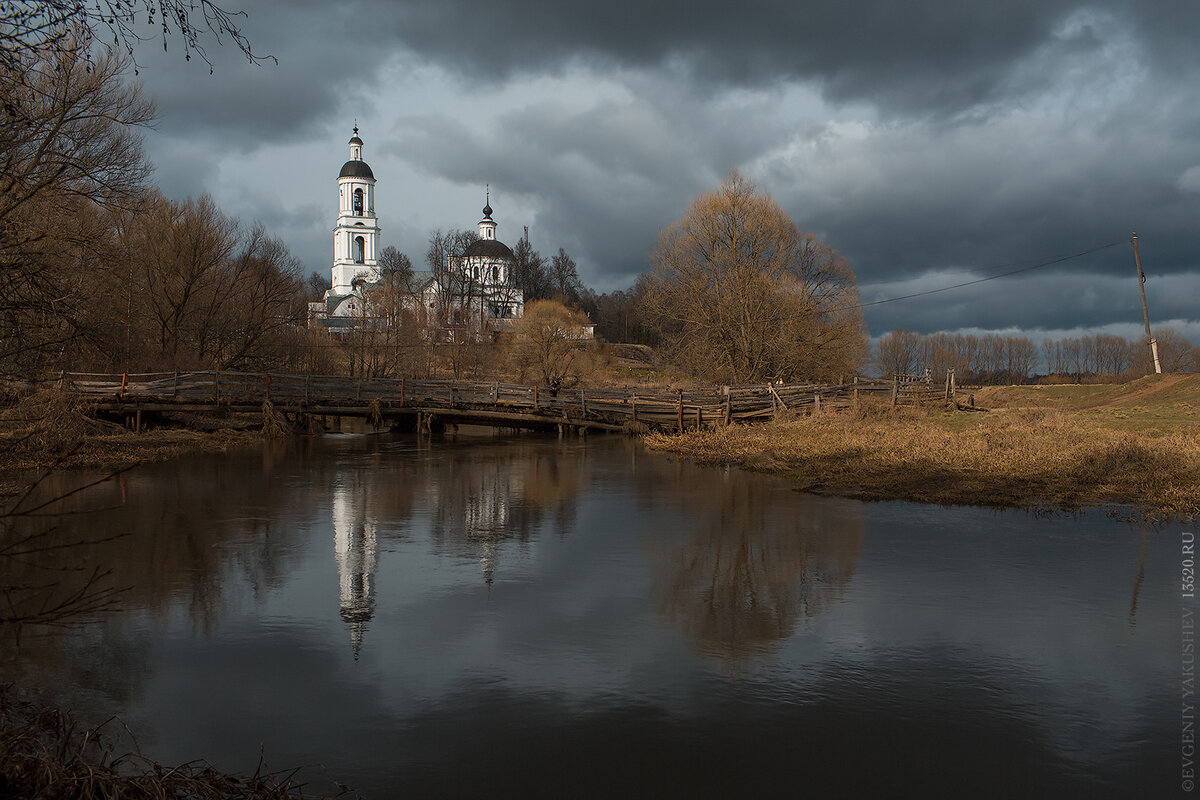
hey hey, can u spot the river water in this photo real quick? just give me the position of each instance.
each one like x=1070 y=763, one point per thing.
x=522 y=616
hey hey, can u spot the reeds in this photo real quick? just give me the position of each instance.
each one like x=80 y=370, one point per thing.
x=45 y=754
x=275 y=424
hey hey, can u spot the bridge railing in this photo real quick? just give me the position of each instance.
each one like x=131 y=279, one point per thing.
x=680 y=408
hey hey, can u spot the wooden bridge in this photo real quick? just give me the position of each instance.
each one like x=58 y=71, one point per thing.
x=426 y=404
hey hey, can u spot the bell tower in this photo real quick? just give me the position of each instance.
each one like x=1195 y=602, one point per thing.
x=356 y=237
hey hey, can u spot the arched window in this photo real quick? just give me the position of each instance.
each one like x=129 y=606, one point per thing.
x=495 y=274
x=358 y=202
x=359 y=247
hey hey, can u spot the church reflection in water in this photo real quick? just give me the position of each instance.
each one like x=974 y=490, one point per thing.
x=355 y=548
x=737 y=564
x=487 y=500
x=477 y=501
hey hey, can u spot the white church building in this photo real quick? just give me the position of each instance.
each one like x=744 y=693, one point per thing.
x=477 y=289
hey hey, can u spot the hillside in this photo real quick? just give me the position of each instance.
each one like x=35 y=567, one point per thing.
x=1150 y=402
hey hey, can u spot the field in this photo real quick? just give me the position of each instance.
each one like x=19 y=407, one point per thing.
x=1135 y=446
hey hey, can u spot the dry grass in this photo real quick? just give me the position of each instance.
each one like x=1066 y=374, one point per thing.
x=45 y=754
x=52 y=429
x=48 y=423
x=275 y=424
x=1028 y=457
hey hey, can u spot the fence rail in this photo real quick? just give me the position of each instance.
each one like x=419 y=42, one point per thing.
x=506 y=404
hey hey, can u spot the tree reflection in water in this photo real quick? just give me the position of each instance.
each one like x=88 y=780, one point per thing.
x=746 y=570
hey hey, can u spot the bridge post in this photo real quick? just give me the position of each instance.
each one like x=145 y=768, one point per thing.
x=582 y=402
x=535 y=407
x=268 y=388
x=633 y=405
x=725 y=391
x=681 y=410
x=402 y=392
x=217 y=386
x=175 y=385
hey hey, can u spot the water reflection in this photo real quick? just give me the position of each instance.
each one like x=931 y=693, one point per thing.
x=484 y=497
x=748 y=568
x=354 y=547
x=624 y=590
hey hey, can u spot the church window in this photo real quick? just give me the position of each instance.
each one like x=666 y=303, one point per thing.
x=495 y=274
x=358 y=202
x=359 y=246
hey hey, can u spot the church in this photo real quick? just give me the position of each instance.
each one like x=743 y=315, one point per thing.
x=474 y=293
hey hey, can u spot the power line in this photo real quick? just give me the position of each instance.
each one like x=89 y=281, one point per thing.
x=1039 y=265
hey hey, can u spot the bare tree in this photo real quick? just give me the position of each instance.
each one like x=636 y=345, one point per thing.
x=740 y=294
x=564 y=280
x=457 y=289
x=37 y=27
x=1175 y=352
x=395 y=267
x=548 y=344
x=897 y=353
x=69 y=141
x=529 y=270
x=317 y=285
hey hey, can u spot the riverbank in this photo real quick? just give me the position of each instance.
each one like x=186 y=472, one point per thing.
x=1136 y=445
x=53 y=431
x=45 y=753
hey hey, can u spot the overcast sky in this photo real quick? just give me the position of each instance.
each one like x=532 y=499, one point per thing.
x=931 y=143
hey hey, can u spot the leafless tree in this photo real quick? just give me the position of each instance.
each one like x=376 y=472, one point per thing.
x=37 y=27
x=69 y=142
x=740 y=294
x=396 y=267
x=897 y=353
x=529 y=270
x=564 y=279
x=547 y=344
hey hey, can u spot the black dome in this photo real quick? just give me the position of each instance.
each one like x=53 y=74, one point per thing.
x=489 y=248
x=356 y=169
x=355 y=140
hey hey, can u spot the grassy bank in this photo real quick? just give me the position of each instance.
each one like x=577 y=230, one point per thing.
x=1041 y=447
x=45 y=754
x=52 y=430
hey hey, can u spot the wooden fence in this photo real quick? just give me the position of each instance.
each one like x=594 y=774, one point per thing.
x=505 y=404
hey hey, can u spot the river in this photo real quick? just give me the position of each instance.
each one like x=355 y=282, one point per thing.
x=523 y=616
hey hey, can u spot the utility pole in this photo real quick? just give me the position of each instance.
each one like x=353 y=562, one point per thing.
x=1137 y=259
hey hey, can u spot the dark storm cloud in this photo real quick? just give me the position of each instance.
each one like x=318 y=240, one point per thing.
x=1039 y=302
x=934 y=138
x=324 y=59
x=932 y=55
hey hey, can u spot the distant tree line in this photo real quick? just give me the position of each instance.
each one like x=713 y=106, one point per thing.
x=993 y=358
